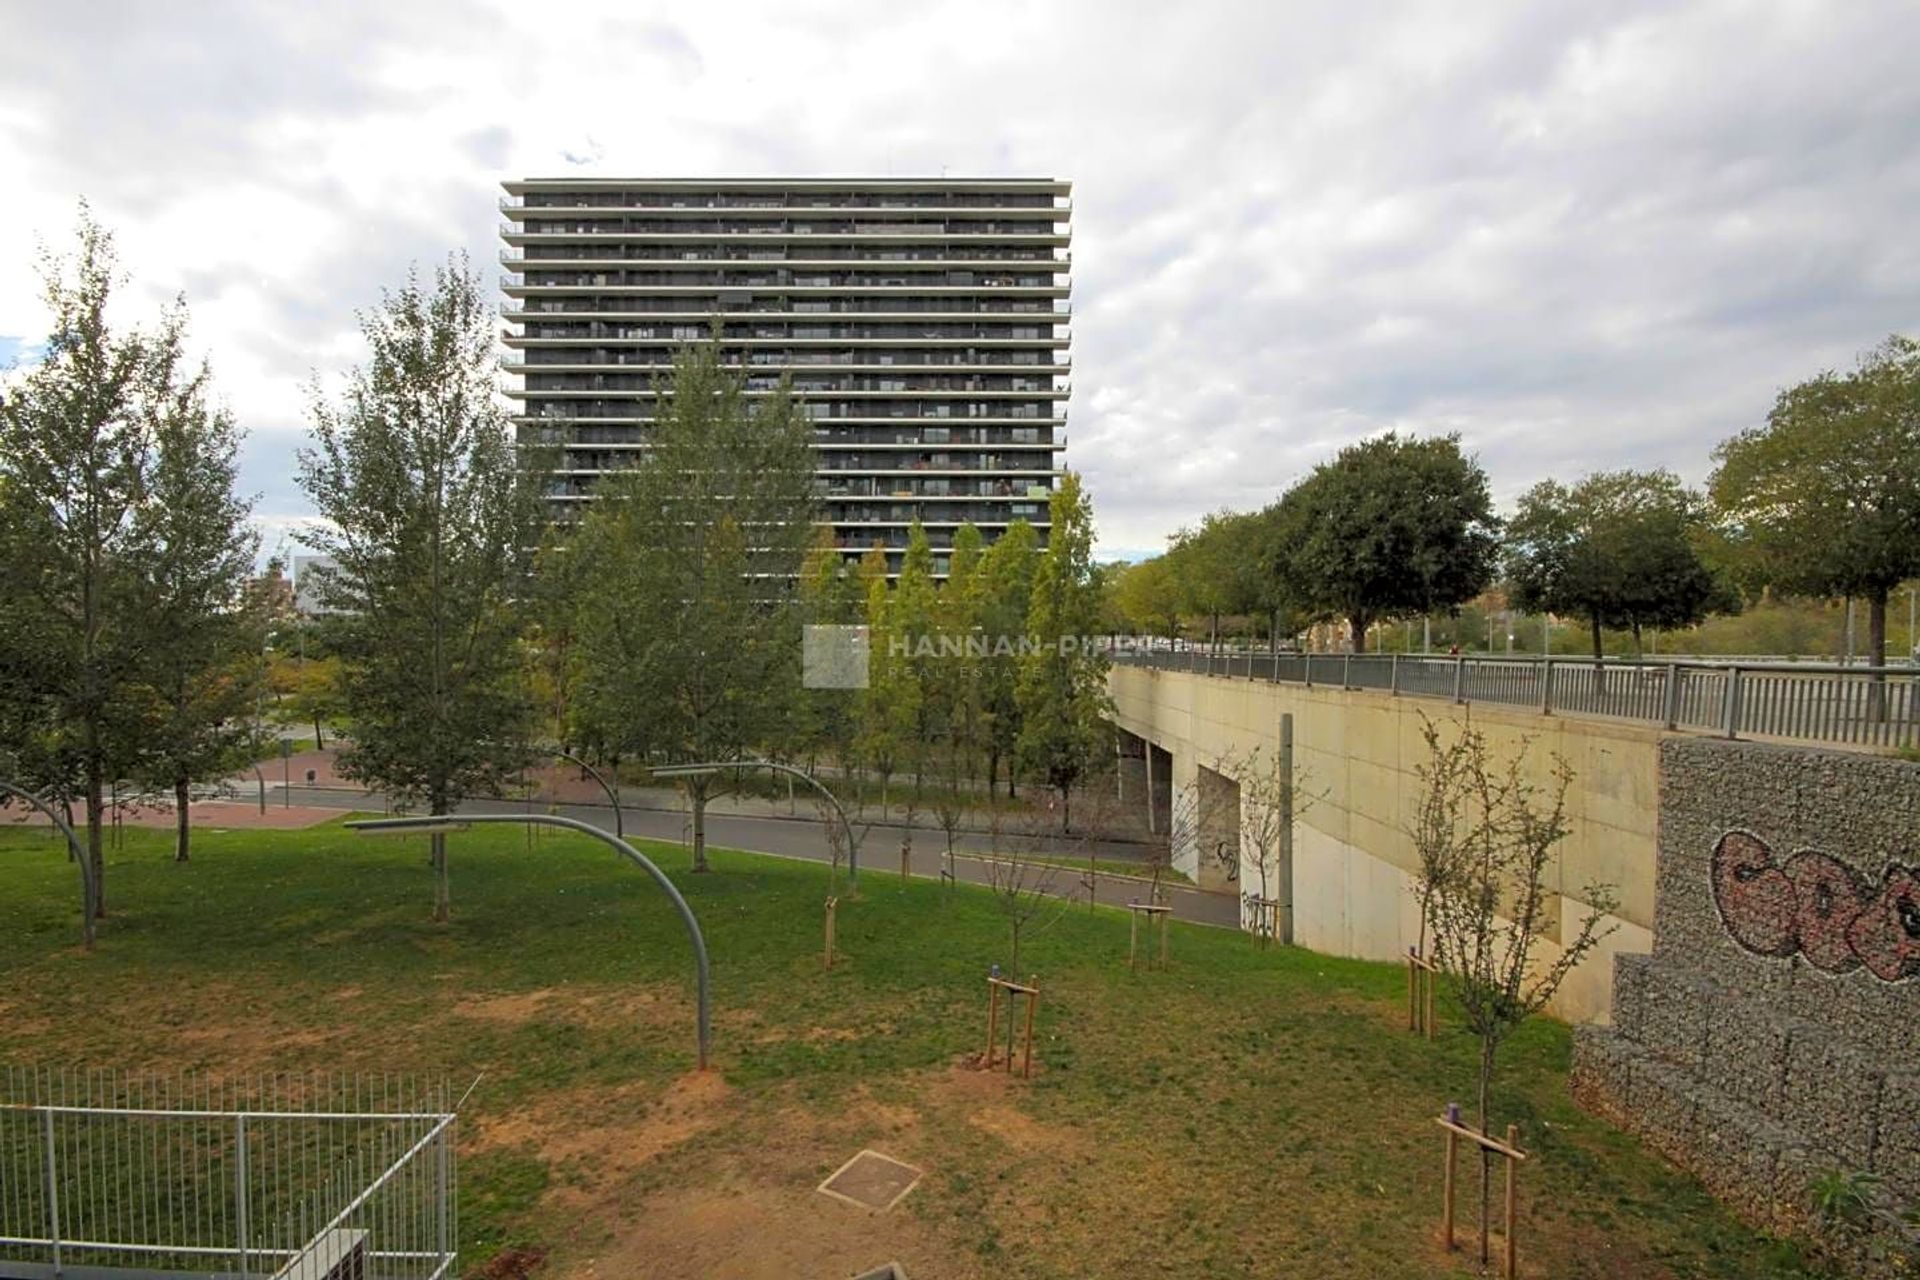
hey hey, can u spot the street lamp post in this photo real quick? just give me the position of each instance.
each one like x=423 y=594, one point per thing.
x=613 y=798
x=439 y=824
x=705 y=767
x=87 y=895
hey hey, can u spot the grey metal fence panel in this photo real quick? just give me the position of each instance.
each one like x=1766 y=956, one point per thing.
x=225 y=1177
x=1863 y=706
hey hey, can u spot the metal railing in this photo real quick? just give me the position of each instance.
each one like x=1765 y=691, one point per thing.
x=282 y=1176
x=1854 y=705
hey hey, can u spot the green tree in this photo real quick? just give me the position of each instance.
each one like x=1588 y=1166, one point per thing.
x=890 y=704
x=1217 y=568
x=1148 y=597
x=824 y=720
x=81 y=446
x=1486 y=836
x=1063 y=678
x=1825 y=499
x=1619 y=548
x=1006 y=588
x=203 y=678
x=957 y=617
x=688 y=639
x=430 y=514
x=316 y=693
x=1390 y=527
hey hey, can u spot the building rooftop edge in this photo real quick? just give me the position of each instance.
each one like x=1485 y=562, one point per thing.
x=515 y=185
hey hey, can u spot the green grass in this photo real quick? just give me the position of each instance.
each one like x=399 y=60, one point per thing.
x=1245 y=1112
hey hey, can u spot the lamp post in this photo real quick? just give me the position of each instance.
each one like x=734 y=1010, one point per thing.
x=440 y=824
x=703 y=768
x=87 y=897
x=613 y=798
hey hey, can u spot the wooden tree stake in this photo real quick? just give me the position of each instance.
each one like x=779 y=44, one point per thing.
x=1510 y=1152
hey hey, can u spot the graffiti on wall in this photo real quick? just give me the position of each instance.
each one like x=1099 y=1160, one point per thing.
x=1814 y=905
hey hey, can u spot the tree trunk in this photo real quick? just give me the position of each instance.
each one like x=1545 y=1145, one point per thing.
x=1877 y=627
x=1877 y=651
x=1486 y=1156
x=698 y=793
x=1599 y=659
x=1066 y=809
x=96 y=838
x=182 y=819
x=442 y=885
x=1357 y=627
x=319 y=734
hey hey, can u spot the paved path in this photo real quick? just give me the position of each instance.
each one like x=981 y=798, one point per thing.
x=804 y=838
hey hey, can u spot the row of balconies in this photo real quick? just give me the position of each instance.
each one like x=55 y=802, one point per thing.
x=630 y=432
x=755 y=331
x=796 y=309
x=805 y=382
x=739 y=296
x=906 y=360
x=664 y=201
x=1036 y=231
x=813 y=255
x=1016 y=470
x=781 y=278
x=939 y=489
x=926 y=385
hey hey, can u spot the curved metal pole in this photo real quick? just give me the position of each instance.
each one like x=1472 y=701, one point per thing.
x=712 y=766
x=613 y=798
x=79 y=855
x=442 y=822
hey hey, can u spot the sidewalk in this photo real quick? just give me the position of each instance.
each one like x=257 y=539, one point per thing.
x=562 y=783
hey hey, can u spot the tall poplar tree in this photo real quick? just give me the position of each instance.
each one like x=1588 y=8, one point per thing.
x=1006 y=589
x=431 y=513
x=687 y=637
x=1063 y=679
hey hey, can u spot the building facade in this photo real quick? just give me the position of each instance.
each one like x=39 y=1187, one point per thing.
x=923 y=322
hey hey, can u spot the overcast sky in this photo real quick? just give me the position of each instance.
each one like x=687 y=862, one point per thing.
x=1582 y=236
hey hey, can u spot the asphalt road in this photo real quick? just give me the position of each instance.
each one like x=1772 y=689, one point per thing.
x=879 y=849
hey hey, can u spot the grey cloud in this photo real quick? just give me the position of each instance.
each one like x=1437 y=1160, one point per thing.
x=1581 y=236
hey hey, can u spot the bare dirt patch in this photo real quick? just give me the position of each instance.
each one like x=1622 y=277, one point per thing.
x=762 y=1232
x=567 y=1004
x=600 y=1136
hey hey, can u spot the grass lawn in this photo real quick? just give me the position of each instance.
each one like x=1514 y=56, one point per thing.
x=1244 y=1113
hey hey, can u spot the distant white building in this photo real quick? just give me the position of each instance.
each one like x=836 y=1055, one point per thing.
x=308 y=573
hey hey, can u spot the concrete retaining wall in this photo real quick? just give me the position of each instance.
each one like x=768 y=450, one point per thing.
x=1355 y=753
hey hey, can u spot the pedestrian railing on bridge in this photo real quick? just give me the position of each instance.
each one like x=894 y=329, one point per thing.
x=1860 y=706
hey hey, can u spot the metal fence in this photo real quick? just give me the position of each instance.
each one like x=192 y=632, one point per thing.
x=294 y=1177
x=1863 y=706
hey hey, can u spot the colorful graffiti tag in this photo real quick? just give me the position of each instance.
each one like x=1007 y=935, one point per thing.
x=1814 y=905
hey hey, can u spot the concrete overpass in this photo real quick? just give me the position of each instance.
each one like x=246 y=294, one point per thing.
x=1356 y=752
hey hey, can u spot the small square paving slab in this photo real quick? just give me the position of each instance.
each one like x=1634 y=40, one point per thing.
x=872 y=1181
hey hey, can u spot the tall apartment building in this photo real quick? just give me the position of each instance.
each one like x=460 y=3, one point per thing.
x=923 y=320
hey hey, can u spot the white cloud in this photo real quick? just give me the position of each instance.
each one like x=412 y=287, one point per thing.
x=1578 y=236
